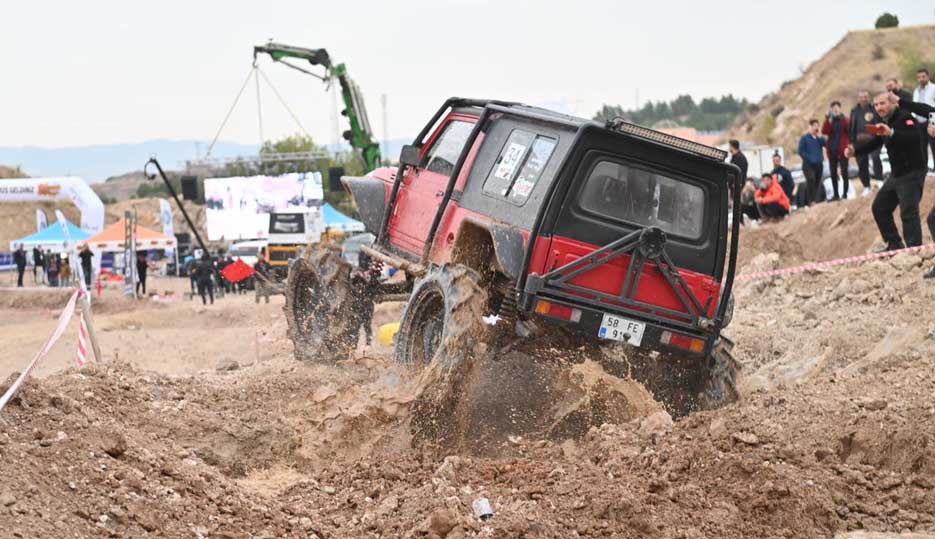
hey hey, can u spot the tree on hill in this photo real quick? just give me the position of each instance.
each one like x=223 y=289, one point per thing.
x=887 y=20
x=711 y=114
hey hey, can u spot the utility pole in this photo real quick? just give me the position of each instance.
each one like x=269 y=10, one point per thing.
x=386 y=149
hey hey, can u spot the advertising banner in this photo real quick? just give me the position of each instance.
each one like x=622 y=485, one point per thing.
x=165 y=213
x=239 y=207
x=65 y=188
x=41 y=220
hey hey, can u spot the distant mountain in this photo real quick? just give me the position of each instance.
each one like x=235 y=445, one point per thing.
x=98 y=162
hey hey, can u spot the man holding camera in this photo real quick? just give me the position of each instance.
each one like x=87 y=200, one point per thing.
x=899 y=133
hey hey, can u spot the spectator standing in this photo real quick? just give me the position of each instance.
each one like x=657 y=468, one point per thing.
x=811 y=146
x=903 y=189
x=264 y=276
x=922 y=108
x=141 y=266
x=53 y=264
x=771 y=200
x=204 y=273
x=19 y=258
x=895 y=87
x=737 y=157
x=86 y=257
x=925 y=94
x=836 y=129
x=863 y=115
x=783 y=175
x=38 y=266
x=65 y=273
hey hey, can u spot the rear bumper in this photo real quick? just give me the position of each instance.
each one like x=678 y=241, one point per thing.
x=589 y=325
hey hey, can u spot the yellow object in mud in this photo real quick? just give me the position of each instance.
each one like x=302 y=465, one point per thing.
x=387 y=333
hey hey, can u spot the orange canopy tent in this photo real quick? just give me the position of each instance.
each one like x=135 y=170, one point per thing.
x=112 y=238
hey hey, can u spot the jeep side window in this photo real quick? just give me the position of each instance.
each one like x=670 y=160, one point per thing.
x=519 y=165
x=624 y=193
x=445 y=151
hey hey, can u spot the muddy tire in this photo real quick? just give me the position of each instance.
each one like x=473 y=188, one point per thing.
x=443 y=334
x=443 y=319
x=320 y=305
x=720 y=379
x=682 y=384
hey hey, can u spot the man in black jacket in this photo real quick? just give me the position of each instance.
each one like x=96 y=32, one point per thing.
x=785 y=177
x=863 y=115
x=924 y=109
x=19 y=257
x=898 y=132
x=738 y=158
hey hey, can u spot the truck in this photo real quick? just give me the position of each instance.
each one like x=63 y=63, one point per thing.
x=289 y=233
x=611 y=233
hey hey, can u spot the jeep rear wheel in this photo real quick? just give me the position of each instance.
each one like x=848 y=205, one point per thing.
x=320 y=305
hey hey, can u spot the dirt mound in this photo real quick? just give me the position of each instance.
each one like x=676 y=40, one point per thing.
x=823 y=232
x=862 y=60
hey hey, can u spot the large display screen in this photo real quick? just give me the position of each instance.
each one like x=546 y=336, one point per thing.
x=238 y=208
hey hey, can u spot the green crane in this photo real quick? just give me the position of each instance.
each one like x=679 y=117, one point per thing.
x=360 y=136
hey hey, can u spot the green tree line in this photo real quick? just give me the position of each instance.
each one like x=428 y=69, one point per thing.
x=711 y=114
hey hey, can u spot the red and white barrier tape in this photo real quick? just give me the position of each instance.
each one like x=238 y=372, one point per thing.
x=829 y=263
x=44 y=351
x=82 y=356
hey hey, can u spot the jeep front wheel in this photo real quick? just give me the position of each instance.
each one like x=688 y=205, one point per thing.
x=443 y=319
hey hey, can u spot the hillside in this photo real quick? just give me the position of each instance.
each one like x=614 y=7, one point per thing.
x=119 y=187
x=862 y=60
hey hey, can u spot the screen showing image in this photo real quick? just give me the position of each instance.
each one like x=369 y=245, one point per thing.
x=239 y=207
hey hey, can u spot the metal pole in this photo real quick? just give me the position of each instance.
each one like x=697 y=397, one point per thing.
x=191 y=225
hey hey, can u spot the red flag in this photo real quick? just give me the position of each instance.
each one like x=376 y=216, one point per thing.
x=237 y=271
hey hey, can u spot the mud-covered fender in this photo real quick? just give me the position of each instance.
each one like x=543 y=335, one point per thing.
x=369 y=194
x=509 y=248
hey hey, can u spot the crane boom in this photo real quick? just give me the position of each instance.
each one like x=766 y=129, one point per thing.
x=360 y=135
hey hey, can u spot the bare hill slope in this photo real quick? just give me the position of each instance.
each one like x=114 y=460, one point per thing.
x=862 y=60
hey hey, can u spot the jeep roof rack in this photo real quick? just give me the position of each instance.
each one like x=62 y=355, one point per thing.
x=696 y=148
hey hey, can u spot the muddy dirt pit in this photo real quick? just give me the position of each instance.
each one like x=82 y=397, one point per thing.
x=835 y=433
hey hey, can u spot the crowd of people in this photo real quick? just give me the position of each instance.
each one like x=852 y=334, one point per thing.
x=51 y=268
x=896 y=119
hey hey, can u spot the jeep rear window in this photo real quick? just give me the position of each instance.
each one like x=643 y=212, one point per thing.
x=639 y=197
x=447 y=148
x=519 y=166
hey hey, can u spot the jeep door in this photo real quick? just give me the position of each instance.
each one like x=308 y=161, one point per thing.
x=423 y=187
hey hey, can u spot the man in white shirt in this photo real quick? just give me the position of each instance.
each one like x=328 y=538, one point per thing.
x=924 y=93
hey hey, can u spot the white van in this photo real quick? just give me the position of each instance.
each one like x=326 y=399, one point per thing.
x=248 y=251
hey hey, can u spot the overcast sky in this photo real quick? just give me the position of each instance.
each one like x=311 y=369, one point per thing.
x=103 y=72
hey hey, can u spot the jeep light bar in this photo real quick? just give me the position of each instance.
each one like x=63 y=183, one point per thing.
x=703 y=150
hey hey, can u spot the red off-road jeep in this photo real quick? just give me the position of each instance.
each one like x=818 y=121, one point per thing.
x=615 y=232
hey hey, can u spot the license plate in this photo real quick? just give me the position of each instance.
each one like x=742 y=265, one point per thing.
x=620 y=329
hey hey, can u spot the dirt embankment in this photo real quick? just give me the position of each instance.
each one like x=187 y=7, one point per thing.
x=824 y=232
x=835 y=430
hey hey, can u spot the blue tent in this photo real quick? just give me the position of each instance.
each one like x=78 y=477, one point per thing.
x=51 y=237
x=338 y=221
